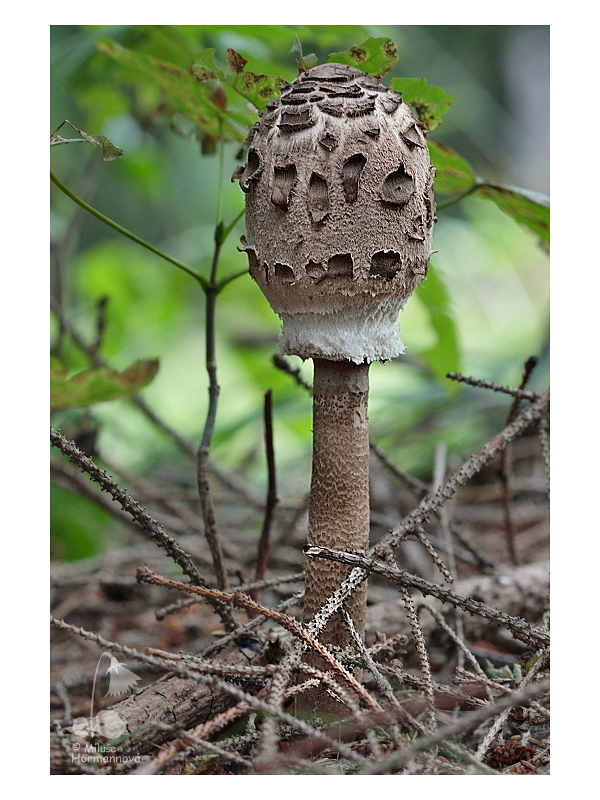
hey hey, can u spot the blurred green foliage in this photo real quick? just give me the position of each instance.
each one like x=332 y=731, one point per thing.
x=483 y=310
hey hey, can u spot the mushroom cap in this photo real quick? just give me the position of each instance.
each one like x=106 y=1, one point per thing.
x=339 y=212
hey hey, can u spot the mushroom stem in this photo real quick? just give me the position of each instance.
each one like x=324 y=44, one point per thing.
x=338 y=514
x=340 y=208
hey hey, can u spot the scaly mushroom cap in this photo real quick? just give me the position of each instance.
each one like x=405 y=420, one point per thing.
x=339 y=213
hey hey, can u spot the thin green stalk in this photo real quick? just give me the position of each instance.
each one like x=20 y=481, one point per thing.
x=68 y=141
x=111 y=223
x=208 y=514
x=228 y=278
x=211 y=289
x=226 y=231
x=457 y=198
x=220 y=176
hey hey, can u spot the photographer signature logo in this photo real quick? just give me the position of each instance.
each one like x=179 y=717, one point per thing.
x=108 y=724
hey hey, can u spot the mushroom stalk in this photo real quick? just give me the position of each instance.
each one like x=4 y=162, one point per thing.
x=338 y=511
x=339 y=214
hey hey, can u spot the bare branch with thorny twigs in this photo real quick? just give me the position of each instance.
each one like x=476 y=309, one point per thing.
x=216 y=683
x=242 y=600
x=140 y=515
x=495 y=387
x=521 y=629
x=432 y=502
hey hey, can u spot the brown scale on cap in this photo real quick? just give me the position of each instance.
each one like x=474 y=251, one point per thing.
x=338 y=175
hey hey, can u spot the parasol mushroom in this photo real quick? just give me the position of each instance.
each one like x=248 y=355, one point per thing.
x=339 y=214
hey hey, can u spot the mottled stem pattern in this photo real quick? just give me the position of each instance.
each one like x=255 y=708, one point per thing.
x=339 y=494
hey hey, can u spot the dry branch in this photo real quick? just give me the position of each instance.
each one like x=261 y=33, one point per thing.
x=432 y=503
x=242 y=600
x=140 y=515
x=521 y=629
x=194 y=696
x=173 y=699
x=518 y=698
x=143 y=717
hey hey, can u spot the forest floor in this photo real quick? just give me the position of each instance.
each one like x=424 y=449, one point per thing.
x=452 y=677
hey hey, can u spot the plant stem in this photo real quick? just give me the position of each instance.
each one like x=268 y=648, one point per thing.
x=457 y=198
x=272 y=500
x=111 y=223
x=505 y=472
x=208 y=513
x=428 y=505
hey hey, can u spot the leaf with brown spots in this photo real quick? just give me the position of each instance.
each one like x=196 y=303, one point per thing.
x=452 y=172
x=375 y=56
x=255 y=88
x=235 y=61
x=428 y=102
x=184 y=92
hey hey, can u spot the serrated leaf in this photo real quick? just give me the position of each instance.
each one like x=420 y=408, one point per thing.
x=258 y=89
x=453 y=174
x=98 y=385
x=444 y=356
x=183 y=90
x=109 y=150
x=430 y=103
x=530 y=209
x=204 y=67
x=374 y=56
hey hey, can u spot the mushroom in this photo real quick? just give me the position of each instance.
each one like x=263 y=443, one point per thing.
x=339 y=214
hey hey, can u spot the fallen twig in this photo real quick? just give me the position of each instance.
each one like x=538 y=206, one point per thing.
x=222 y=686
x=139 y=514
x=242 y=600
x=521 y=629
x=395 y=760
x=272 y=500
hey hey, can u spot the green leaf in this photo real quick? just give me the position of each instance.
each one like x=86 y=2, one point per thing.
x=527 y=208
x=258 y=89
x=307 y=62
x=109 y=150
x=183 y=90
x=444 y=356
x=204 y=67
x=98 y=385
x=453 y=173
x=430 y=103
x=374 y=56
